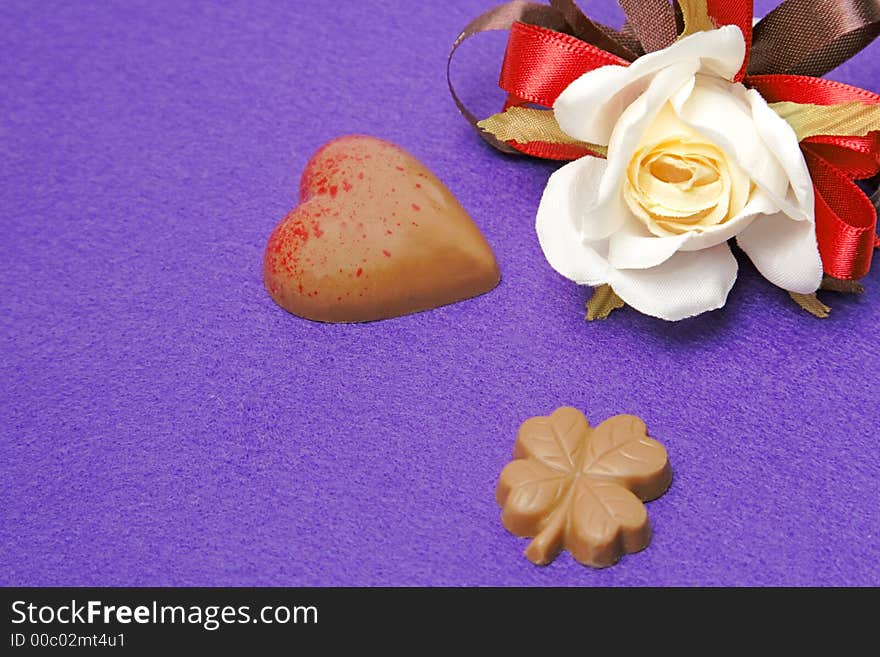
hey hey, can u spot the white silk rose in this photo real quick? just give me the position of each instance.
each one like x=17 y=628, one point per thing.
x=694 y=159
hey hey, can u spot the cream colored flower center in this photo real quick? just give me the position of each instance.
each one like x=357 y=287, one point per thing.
x=678 y=181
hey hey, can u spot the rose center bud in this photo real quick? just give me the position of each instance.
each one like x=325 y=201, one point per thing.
x=679 y=181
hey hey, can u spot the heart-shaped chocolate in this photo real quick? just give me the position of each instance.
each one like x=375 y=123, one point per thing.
x=375 y=235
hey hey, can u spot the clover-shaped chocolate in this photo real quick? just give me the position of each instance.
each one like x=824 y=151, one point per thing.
x=581 y=488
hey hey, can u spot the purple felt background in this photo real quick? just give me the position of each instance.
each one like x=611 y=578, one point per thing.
x=164 y=423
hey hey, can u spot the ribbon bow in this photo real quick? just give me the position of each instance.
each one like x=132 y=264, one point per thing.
x=838 y=125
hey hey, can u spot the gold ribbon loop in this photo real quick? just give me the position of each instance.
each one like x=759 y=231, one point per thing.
x=695 y=17
x=844 y=119
x=524 y=125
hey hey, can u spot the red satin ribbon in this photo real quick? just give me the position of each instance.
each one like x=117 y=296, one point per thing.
x=846 y=220
x=804 y=89
x=540 y=63
x=550 y=151
x=734 y=12
x=855 y=156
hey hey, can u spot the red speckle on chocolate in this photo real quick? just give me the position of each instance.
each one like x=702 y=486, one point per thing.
x=299 y=231
x=418 y=185
x=339 y=298
x=359 y=272
x=361 y=175
x=416 y=207
x=399 y=168
x=388 y=232
x=346 y=186
x=322 y=190
x=414 y=223
x=333 y=190
x=386 y=253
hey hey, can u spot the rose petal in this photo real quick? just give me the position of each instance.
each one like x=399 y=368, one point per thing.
x=782 y=141
x=687 y=284
x=722 y=113
x=784 y=251
x=559 y=220
x=634 y=247
x=759 y=204
x=609 y=209
x=582 y=109
x=588 y=231
x=590 y=107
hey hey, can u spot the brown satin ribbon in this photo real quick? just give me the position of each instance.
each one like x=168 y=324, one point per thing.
x=601 y=36
x=652 y=21
x=811 y=37
x=801 y=37
x=628 y=38
x=560 y=15
x=501 y=18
